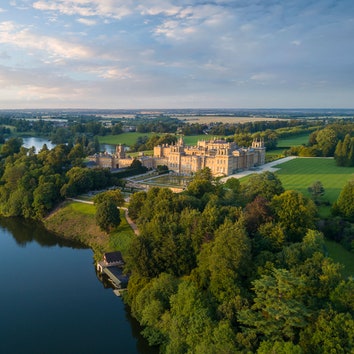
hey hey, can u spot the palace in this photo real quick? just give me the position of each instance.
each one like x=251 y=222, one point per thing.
x=222 y=157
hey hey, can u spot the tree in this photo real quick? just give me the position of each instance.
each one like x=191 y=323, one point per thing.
x=150 y=304
x=257 y=213
x=202 y=183
x=327 y=140
x=295 y=213
x=114 y=196
x=278 y=311
x=11 y=146
x=331 y=332
x=107 y=215
x=135 y=204
x=344 y=205
x=265 y=184
x=317 y=191
x=79 y=181
x=188 y=321
x=233 y=184
x=44 y=198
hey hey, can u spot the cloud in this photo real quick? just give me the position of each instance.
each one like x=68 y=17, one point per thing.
x=22 y=37
x=87 y=22
x=296 y=42
x=262 y=77
x=87 y=8
x=111 y=72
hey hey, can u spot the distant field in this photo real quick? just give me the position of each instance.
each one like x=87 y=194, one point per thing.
x=301 y=173
x=224 y=119
x=293 y=141
x=124 y=138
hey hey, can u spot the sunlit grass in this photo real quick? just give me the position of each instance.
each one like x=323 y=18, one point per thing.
x=124 y=138
x=299 y=174
x=120 y=238
x=293 y=141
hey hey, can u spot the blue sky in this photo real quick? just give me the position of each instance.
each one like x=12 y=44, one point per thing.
x=177 y=54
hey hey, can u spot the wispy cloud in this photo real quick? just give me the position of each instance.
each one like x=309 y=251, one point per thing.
x=87 y=22
x=176 y=52
x=22 y=37
x=86 y=8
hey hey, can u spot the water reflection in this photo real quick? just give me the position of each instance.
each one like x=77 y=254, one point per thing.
x=111 y=149
x=37 y=143
x=26 y=231
x=51 y=300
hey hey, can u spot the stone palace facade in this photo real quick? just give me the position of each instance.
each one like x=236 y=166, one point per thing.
x=222 y=157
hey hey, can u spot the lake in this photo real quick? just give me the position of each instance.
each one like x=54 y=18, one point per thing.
x=38 y=143
x=51 y=300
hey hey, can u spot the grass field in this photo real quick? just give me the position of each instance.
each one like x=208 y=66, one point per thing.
x=130 y=138
x=68 y=221
x=286 y=143
x=301 y=173
x=124 y=138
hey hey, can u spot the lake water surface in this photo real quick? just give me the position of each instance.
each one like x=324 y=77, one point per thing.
x=51 y=300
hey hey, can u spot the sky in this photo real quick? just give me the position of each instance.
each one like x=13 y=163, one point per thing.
x=127 y=54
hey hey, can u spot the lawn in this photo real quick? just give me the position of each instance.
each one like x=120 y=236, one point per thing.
x=68 y=222
x=124 y=138
x=130 y=138
x=299 y=174
x=286 y=143
x=120 y=239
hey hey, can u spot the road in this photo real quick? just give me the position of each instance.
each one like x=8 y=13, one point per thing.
x=266 y=167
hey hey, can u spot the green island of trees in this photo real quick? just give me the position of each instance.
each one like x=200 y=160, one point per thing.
x=234 y=267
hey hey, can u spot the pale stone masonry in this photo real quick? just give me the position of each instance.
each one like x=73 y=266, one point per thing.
x=222 y=157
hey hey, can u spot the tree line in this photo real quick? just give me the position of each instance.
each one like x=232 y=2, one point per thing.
x=333 y=140
x=32 y=184
x=230 y=268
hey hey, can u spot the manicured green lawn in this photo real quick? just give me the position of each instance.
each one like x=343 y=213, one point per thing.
x=301 y=173
x=124 y=138
x=293 y=141
x=87 y=209
x=120 y=238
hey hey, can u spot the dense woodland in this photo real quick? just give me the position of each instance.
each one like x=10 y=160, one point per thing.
x=219 y=268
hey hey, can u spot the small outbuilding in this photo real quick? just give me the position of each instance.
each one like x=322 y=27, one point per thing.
x=111 y=259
